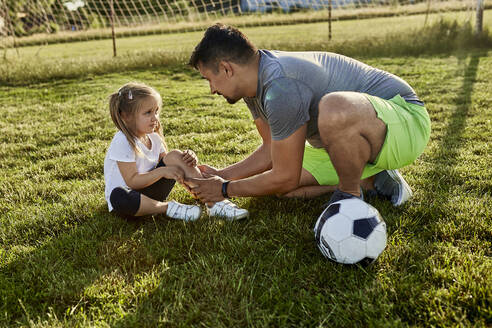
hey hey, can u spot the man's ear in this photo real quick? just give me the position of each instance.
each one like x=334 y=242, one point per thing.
x=227 y=67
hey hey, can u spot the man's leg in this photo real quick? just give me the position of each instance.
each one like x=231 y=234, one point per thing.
x=352 y=135
x=318 y=176
x=308 y=187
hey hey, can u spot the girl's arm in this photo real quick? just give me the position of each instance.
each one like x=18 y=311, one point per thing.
x=136 y=180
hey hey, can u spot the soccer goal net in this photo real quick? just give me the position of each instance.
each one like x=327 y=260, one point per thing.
x=60 y=20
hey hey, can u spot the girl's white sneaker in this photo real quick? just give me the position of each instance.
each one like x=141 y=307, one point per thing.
x=184 y=212
x=227 y=210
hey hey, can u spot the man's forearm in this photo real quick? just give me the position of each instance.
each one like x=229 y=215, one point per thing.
x=266 y=183
x=259 y=161
x=285 y=161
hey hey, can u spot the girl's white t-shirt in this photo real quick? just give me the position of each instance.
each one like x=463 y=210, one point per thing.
x=120 y=150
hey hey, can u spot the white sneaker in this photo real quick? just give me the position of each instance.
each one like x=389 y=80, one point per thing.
x=184 y=212
x=390 y=184
x=227 y=210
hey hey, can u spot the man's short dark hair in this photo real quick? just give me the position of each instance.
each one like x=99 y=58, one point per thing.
x=222 y=42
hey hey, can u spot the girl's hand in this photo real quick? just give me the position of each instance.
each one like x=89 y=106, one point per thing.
x=189 y=157
x=208 y=171
x=174 y=173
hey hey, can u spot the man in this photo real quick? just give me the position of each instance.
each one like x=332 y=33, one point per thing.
x=360 y=122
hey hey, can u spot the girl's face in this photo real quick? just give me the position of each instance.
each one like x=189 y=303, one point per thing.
x=147 y=117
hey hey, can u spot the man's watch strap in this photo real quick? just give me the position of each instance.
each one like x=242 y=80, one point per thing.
x=224 y=188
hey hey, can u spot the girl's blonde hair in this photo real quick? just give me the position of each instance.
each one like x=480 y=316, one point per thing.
x=127 y=102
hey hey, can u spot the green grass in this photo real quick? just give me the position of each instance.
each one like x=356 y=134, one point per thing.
x=371 y=37
x=199 y=21
x=66 y=262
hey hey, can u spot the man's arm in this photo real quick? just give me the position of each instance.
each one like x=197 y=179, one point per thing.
x=257 y=162
x=283 y=177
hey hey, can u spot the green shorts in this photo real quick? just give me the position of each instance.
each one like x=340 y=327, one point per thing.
x=408 y=131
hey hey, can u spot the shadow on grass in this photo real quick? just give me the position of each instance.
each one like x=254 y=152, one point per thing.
x=436 y=211
x=54 y=279
x=263 y=270
x=446 y=157
x=269 y=272
x=212 y=272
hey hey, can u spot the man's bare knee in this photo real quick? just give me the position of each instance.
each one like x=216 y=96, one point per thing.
x=334 y=100
x=334 y=110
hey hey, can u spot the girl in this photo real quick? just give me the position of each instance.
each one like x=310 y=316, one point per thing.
x=139 y=172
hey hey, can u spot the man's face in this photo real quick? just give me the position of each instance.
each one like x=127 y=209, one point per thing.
x=221 y=82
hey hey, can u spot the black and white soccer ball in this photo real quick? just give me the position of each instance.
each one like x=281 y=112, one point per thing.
x=351 y=231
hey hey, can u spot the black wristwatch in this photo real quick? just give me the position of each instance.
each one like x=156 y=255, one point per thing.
x=224 y=189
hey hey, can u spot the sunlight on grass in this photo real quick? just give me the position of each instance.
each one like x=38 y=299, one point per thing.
x=393 y=36
x=66 y=262
x=199 y=21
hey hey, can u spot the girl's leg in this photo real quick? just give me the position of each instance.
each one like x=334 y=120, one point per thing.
x=175 y=158
x=225 y=208
x=131 y=204
x=160 y=189
x=149 y=206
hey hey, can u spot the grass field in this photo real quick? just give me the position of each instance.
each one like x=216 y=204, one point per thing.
x=366 y=37
x=66 y=262
x=197 y=21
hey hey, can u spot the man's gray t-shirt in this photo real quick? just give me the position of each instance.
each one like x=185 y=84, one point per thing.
x=291 y=84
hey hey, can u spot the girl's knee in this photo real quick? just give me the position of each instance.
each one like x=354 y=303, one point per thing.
x=174 y=157
x=125 y=201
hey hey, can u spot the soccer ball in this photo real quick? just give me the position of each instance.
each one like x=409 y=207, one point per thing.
x=350 y=231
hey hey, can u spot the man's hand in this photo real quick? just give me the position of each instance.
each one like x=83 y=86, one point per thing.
x=208 y=171
x=190 y=158
x=207 y=190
